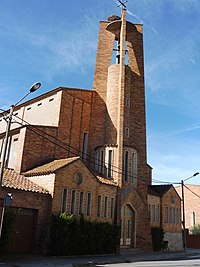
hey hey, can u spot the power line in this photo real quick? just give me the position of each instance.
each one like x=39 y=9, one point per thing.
x=158 y=181
x=191 y=191
x=60 y=144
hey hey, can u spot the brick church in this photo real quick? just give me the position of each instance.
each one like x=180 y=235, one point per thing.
x=86 y=149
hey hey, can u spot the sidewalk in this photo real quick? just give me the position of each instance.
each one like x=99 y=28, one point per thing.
x=41 y=261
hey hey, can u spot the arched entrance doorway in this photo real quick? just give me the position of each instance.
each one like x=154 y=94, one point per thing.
x=127 y=226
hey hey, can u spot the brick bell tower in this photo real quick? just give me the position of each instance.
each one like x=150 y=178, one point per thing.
x=119 y=82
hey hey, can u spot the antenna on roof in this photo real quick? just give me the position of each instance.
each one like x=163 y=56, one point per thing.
x=122 y=3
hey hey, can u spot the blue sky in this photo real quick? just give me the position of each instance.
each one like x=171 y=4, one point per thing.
x=55 y=42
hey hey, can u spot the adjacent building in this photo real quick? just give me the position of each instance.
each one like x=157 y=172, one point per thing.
x=165 y=213
x=191 y=204
x=87 y=148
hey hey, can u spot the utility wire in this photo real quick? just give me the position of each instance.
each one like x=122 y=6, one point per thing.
x=191 y=191
x=60 y=144
x=158 y=181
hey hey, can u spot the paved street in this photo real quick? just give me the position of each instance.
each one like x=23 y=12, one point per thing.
x=189 y=258
x=172 y=263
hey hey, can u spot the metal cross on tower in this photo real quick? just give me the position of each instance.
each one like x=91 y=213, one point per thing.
x=122 y=3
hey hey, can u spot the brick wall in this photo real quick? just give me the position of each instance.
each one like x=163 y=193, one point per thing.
x=37 y=201
x=192 y=204
x=65 y=179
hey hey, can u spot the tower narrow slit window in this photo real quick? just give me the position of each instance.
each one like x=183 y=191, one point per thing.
x=85 y=144
x=127 y=132
x=126 y=166
x=134 y=167
x=110 y=156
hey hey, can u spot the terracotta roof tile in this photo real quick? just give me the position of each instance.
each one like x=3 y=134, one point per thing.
x=55 y=165
x=50 y=167
x=12 y=179
x=106 y=181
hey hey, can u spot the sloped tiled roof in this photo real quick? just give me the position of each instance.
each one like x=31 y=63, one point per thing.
x=50 y=167
x=106 y=181
x=12 y=179
x=159 y=190
x=55 y=165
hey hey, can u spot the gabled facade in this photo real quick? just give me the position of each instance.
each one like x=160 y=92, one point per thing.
x=165 y=212
x=76 y=190
x=105 y=127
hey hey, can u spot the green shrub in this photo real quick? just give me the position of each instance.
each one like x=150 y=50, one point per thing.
x=7 y=228
x=69 y=235
x=195 y=230
x=157 y=238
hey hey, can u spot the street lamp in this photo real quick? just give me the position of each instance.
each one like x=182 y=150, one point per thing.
x=183 y=207
x=32 y=89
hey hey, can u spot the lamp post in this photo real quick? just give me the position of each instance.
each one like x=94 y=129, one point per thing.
x=32 y=89
x=183 y=207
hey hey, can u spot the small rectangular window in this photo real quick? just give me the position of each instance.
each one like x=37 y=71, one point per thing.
x=29 y=108
x=127 y=132
x=99 y=207
x=64 y=200
x=112 y=207
x=105 y=206
x=128 y=102
x=73 y=200
x=51 y=99
x=39 y=104
x=80 y=206
x=15 y=139
x=110 y=163
x=88 y=204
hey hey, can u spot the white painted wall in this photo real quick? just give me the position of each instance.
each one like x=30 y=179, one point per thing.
x=45 y=181
x=41 y=112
